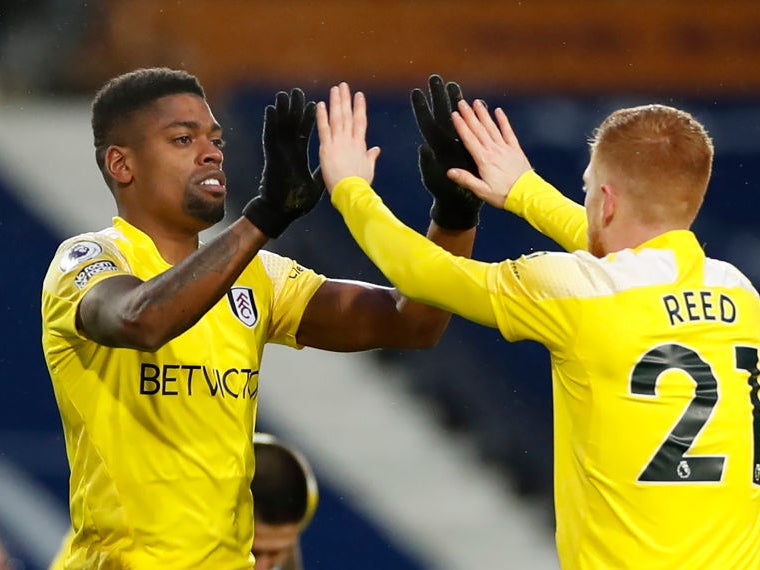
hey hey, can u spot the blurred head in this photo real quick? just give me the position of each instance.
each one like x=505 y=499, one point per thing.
x=650 y=165
x=285 y=496
x=158 y=148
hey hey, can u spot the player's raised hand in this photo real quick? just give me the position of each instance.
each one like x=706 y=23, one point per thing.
x=342 y=132
x=494 y=148
x=287 y=190
x=454 y=207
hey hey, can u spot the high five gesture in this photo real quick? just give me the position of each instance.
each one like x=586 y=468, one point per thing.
x=342 y=136
x=495 y=150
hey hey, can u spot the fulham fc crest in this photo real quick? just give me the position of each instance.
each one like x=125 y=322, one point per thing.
x=243 y=306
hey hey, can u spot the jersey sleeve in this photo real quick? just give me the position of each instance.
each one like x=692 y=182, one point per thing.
x=420 y=269
x=538 y=297
x=79 y=264
x=547 y=210
x=293 y=287
x=529 y=298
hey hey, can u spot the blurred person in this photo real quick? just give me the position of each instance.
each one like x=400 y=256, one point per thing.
x=285 y=497
x=154 y=341
x=654 y=346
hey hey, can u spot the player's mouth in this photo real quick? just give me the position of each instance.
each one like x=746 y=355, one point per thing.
x=214 y=184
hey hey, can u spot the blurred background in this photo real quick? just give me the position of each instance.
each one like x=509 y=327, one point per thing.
x=427 y=459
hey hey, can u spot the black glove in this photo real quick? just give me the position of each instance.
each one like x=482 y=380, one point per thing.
x=287 y=189
x=454 y=207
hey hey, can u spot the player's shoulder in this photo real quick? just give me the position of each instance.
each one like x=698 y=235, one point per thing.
x=83 y=247
x=278 y=266
x=719 y=273
x=85 y=255
x=581 y=274
x=287 y=278
x=577 y=262
x=553 y=274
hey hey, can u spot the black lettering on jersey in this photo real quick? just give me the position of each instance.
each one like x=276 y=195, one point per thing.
x=226 y=385
x=171 y=380
x=190 y=369
x=515 y=271
x=234 y=382
x=251 y=384
x=295 y=271
x=84 y=276
x=238 y=383
x=149 y=383
x=213 y=387
x=697 y=306
x=168 y=388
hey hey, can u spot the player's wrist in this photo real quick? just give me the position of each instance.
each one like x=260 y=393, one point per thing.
x=524 y=186
x=270 y=220
x=454 y=216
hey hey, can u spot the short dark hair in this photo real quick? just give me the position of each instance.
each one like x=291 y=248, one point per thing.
x=284 y=487
x=121 y=96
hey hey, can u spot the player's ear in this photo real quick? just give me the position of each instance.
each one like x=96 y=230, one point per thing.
x=117 y=165
x=609 y=203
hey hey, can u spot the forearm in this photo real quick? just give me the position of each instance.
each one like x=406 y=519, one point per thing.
x=146 y=315
x=432 y=320
x=420 y=269
x=549 y=211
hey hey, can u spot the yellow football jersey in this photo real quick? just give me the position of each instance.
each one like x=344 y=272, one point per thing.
x=159 y=443
x=654 y=356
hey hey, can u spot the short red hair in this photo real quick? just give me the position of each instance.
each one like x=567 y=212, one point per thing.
x=661 y=155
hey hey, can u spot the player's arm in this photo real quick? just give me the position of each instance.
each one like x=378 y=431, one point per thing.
x=352 y=315
x=508 y=181
x=420 y=269
x=424 y=271
x=549 y=211
x=124 y=311
x=345 y=315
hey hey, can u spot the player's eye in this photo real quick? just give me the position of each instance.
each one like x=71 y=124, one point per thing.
x=183 y=139
x=219 y=142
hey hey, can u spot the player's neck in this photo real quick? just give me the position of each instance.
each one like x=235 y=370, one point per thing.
x=633 y=235
x=173 y=242
x=175 y=248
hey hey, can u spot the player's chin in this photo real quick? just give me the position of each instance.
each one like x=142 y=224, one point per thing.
x=206 y=210
x=214 y=190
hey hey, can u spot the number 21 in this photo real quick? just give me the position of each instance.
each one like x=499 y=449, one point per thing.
x=670 y=462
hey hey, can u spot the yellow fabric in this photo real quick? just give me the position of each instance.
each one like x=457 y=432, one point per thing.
x=548 y=211
x=692 y=323
x=159 y=444
x=354 y=198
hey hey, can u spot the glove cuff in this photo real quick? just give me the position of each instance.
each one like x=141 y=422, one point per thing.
x=458 y=218
x=265 y=216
